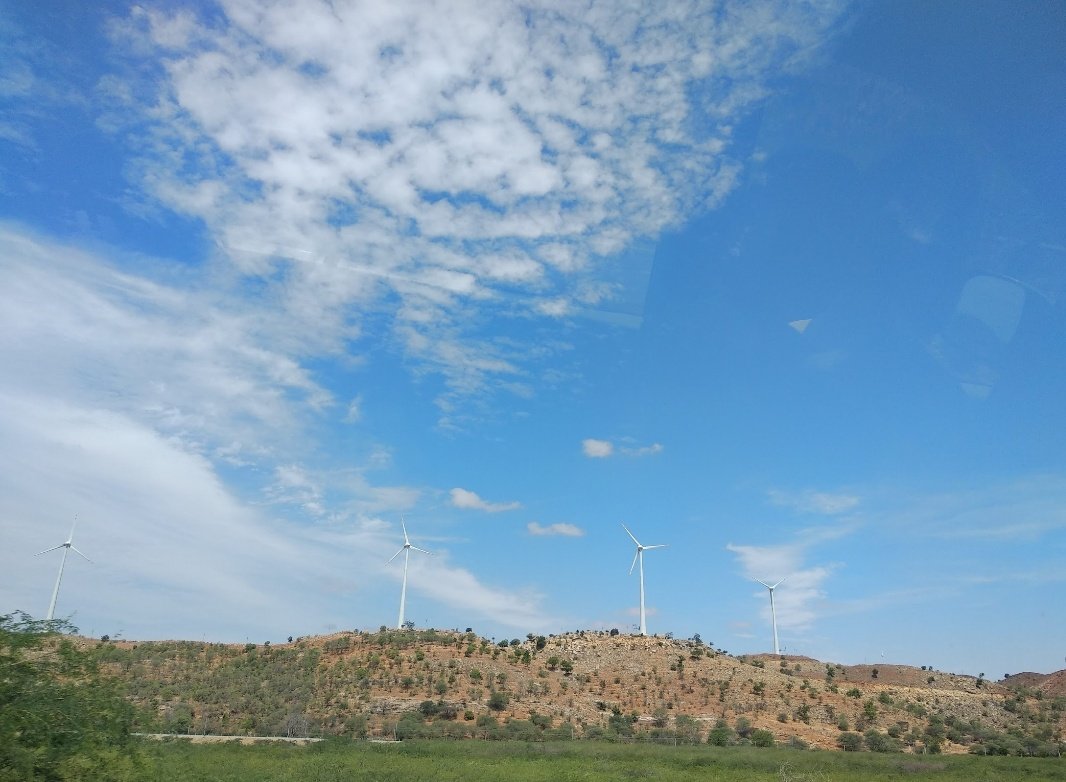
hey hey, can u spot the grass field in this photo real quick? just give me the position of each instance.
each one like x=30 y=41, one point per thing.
x=468 y=761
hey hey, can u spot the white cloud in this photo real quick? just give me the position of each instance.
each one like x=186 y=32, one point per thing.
x=602 y=449
x=444 y=156
x=825 y=503
x=120 y=398
x=1026 y=508
x=355 y=411
x=207 y=373
x=643 y=450
x=462 y=498
x=801 y=596
x=597 y=449
x=566 y=530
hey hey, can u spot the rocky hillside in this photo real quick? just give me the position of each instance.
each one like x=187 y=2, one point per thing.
x=587 y=684
x=1048 y=684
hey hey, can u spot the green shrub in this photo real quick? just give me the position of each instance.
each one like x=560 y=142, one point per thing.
x=59 y=718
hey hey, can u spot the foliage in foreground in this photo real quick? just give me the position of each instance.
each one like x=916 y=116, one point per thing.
x=590 y=761
x=59 y=720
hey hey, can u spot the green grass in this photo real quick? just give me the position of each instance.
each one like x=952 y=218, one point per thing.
x=468 y=761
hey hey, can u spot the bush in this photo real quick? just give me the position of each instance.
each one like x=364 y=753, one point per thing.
x=498 y=701
x=721 y=734
x=59 y=718
x=762 y=738
x=879 y=742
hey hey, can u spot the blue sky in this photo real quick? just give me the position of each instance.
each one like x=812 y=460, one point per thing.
x=777 y=284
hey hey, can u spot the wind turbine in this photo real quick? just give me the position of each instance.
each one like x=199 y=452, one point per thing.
x=773 y=611
x=639 y=556
x=406 y=551
x=67 y=546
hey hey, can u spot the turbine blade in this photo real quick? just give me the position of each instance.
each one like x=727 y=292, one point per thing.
x=61 y=545
x=396 y=554
x=80 y=554
x=630 y=534
x=416 y=548
x=661 y=545
x=779 y=583
x=637 y=554
x=406 y=540
x=763 y=583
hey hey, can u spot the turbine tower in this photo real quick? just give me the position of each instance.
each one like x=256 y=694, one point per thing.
x=639 y=557
x=67 y=546
x=406 y=551
x=773 y=611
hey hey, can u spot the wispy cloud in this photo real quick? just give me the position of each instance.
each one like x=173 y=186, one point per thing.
x=1021 y=509
x=602 y=449
x=354 y=413
x=825 y=503
x=642 y=450
x=293 y=485
x=463 y=498
x=566 y=530
x=800 y=598
x=124 y=398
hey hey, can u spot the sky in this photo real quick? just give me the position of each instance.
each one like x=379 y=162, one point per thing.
x=779 y=285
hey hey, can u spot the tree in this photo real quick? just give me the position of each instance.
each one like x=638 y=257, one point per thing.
x=59 y=718
x=850 y=742
x=296 y=726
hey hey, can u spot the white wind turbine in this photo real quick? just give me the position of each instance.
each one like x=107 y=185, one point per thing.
x=67 y=546
x=773 y=611
x=639 y=557
x=406 y=551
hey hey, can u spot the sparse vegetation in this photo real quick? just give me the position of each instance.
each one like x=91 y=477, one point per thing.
x=430 y=684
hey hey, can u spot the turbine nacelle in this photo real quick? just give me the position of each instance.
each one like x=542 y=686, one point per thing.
x=773 y=587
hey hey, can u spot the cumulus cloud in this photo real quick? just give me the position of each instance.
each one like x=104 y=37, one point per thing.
x=566 y=530
x=463 y=498
x=597 y=449
x=441 y=157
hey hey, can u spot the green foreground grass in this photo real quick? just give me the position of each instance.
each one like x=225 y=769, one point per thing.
x=468 y=761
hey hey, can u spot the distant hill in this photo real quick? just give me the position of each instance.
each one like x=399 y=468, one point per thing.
x=1049 y=684
x=588 y=684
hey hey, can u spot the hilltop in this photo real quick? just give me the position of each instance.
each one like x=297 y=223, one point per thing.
x=585 y=684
